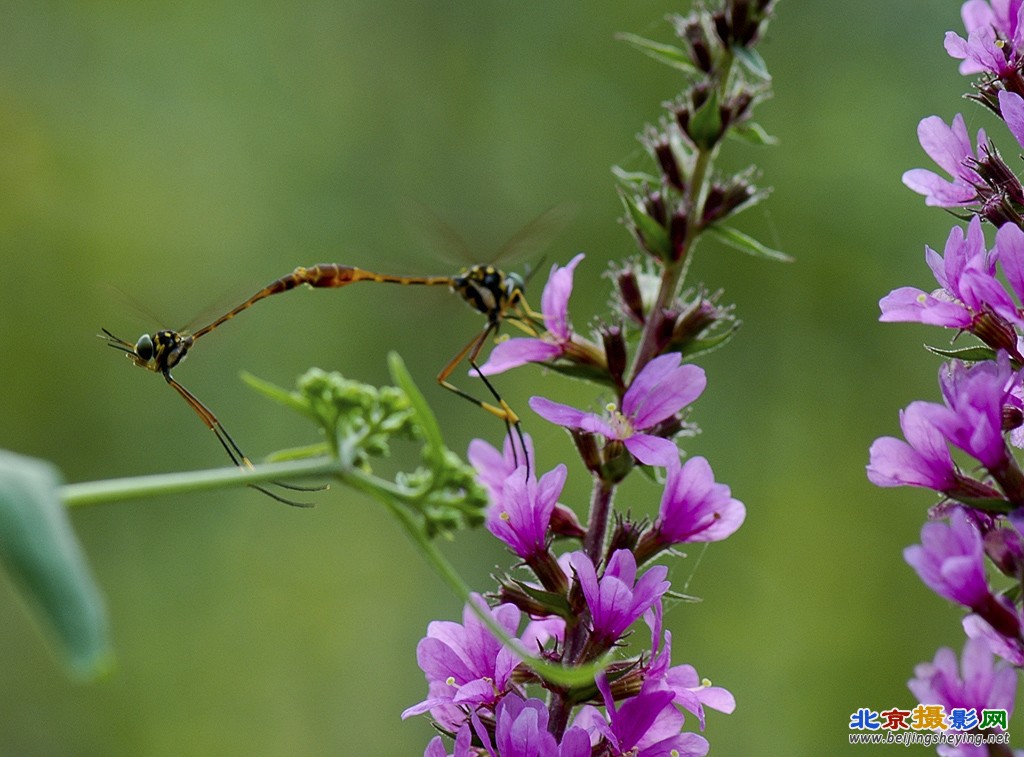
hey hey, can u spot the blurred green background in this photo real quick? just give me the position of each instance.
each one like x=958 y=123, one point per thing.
x=185 y=154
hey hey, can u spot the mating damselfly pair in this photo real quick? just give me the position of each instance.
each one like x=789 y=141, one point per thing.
x=497 y=295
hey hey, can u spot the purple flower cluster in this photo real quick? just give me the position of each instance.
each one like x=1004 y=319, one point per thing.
x=976 y=402
x=980 y=292
x=978 y=683
x=581 y=587
x=589 y=609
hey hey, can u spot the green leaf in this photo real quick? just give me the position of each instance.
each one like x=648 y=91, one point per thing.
x=753 y=134
x=711 y=343
x=705 y=128
x=740 y=241
x=583 y=372
x=39 y=550
x=988 y=504
x=635 y=179
x=752 y=61
x=277 y=394
x=318 y=450
x=558 y=604
x=668 y=54
x=974 y=354
x=435 y=448
x=651 y=234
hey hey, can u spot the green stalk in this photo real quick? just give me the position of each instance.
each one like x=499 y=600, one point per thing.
x=119 y=489
x=675 y=270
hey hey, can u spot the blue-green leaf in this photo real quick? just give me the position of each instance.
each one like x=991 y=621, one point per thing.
x=41 y=553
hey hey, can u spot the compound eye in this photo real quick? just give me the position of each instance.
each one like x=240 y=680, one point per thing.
x=144 y=348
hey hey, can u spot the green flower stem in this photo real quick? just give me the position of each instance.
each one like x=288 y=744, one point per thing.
x=675 y=271
x=390 y=496
x=120 y=489
x=394 y=498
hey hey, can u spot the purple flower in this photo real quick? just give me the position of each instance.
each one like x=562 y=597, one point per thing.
x=521 y=730
x=993 y=37
x=1010 y=648
x=977 y=683
x=950 y=148
x=521 y=516
x=494 y=468
x=951 y=560
x=555 y=342
x=1011 y=106
x=465 y=665
x=694 y=508
x=688 y=690
x=618 y=598
x=662 y=389
x=922 y=460
x=645 y=725
x=1000 y=17
x=968 y=287
x=463 y=745
x=1009 y=251
x=973 y=416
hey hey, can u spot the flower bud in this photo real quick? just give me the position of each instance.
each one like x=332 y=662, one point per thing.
x=994 y=331
x=654 y=206
x=630 y=296
x=740 y=21
x=724 y=198
x=699 y=115
x=528 y=599
x=586 y=445
x=617 y=462
x=549 y=572
x=565 y=523
x=691 y=30
x=1013 y=417
x=662 y=335
x=997 y=175
x=625 y=535
x=1004 y=547
x=615 y=351
x=699 y=315
x=660 y=146
x=1003 y=620
x=678 y=233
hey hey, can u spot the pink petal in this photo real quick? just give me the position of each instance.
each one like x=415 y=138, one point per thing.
x=1010 y=244
x=652 y=450
x=516 y=352
x=662 y=389
x=908 y=304
x=946 y=145
x=557 y=413
x=1011 y=105
x=554 y=302
x=938 y=191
